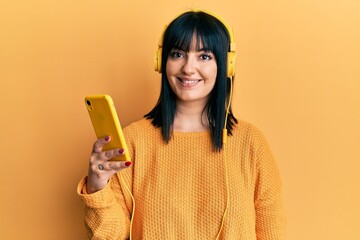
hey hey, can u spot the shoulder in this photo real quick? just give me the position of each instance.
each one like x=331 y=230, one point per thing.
x=141 y=128
x=249 y=136
x=247 y=129
x=142 y=123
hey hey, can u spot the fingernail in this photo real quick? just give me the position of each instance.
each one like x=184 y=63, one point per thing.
x=121 y=151
x=127 y=164
x=107 y=138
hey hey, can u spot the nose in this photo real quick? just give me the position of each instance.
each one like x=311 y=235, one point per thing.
x=189 y=66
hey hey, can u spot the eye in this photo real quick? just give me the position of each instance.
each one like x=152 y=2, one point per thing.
x=176 y=54
x=206 y=56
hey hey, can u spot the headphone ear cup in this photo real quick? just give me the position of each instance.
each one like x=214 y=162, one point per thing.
x=231 y=64
x=157 y=60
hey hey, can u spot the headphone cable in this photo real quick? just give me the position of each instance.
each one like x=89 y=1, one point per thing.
x=133 y=202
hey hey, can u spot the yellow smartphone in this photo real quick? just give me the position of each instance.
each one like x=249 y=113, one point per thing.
x=105 y=121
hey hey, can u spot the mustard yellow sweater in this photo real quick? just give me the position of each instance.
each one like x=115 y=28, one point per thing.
x=180 y=191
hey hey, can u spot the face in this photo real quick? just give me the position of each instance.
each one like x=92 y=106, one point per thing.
x=191 y=74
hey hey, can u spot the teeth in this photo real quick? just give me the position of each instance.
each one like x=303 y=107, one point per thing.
x=189 y=81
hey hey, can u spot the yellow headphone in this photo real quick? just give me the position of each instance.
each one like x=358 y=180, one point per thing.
x=231 y=56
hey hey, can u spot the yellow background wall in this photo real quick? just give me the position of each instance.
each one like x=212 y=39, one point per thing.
x=298 y=74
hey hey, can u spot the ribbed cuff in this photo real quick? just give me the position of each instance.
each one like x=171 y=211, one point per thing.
x=101 y=199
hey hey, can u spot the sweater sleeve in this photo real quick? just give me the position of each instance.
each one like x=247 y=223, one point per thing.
x=108 y=211
x=270 y=218
x=106 y=214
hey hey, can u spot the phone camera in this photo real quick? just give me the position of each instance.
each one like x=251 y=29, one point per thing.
x=88 y=102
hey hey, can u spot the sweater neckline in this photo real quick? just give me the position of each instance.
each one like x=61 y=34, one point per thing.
x=200 y=133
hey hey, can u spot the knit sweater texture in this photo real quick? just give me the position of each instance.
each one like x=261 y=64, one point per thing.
x=180 y=188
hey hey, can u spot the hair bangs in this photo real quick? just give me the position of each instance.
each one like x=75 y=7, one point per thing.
x=182 y=33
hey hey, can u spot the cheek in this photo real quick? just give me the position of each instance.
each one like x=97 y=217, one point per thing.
x=215 y=72
x=170 y=71
x=171 y=67
x=211 y=76
x=211 y=71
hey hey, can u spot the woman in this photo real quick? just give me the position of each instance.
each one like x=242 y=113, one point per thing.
x=186 y=182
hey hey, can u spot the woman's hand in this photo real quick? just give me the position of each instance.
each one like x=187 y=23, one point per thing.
x=100 y=168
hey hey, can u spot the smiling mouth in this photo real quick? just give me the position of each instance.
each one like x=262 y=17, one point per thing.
x=188 y=83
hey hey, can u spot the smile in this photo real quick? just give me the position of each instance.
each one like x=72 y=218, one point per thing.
x=188 y=83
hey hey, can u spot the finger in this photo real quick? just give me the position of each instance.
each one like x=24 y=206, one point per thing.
x=118 y=165
x=113 y=153
x=99 y=144
x=113 y=165
x=101 y=167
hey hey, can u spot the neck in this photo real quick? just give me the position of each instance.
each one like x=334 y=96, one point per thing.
x=190 y=117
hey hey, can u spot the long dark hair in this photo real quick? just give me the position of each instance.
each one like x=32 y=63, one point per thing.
x=214 y=36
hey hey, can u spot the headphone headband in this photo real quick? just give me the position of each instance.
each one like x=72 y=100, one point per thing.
x=232 y=46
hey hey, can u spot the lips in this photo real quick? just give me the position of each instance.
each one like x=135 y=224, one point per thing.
x=188 y=82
